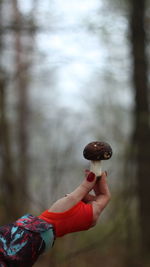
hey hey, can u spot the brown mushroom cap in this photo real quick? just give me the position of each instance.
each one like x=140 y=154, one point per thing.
x=96 y=151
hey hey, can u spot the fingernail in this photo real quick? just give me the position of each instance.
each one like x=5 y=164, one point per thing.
x=90 y=177
x=106 y=173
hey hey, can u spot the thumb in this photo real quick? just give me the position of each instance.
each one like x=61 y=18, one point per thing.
x=83 y=189
x=76 y=196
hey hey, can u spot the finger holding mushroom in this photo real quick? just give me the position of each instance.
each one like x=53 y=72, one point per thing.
x=96 y=152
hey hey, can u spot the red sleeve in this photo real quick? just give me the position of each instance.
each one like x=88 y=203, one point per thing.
x=78 y=218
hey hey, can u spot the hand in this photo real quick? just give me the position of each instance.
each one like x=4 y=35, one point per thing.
x=79 y=210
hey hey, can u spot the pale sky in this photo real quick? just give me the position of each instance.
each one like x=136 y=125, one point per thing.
x=77 y=53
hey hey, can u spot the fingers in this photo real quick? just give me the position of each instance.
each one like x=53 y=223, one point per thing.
x=96 y=188
x=83 y=189
x=102 y=197
x=89 y=198
x=97 y=185
x=77 y=195
x=104 y=193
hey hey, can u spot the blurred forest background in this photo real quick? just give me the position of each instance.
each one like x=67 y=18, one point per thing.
x=72 y=72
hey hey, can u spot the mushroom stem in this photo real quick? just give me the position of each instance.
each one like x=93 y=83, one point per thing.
x=96 y=167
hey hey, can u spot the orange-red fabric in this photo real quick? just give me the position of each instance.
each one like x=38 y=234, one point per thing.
x=76 y=219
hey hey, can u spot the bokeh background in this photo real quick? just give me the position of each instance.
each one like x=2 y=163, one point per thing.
x=72 y=72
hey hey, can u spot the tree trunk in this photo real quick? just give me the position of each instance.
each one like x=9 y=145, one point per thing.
x=141 y=136
x=22 y=78
x=9 y=205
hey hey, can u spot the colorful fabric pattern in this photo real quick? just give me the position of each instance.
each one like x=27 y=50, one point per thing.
x=23 y=241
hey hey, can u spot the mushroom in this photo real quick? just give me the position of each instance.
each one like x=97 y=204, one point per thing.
x=96 y=152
